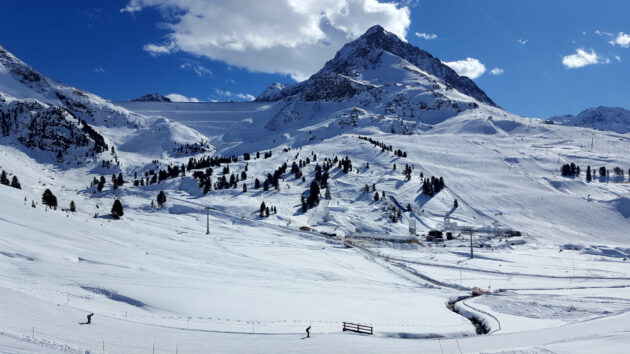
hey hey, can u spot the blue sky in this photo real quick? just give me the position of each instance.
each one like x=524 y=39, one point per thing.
x=534 y=58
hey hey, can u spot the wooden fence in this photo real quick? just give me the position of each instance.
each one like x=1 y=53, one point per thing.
x=358 y=328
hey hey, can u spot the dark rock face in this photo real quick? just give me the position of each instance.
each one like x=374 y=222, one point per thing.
x=47 y=128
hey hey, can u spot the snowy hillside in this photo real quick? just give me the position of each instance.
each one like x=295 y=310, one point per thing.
x=299 y=215
x=614 y=119
x=71 y=124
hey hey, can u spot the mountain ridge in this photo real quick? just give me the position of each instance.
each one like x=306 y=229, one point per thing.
x=615 y=119
x=50 y=116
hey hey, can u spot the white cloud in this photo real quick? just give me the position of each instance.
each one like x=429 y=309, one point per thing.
x=603 y=33
x=618 y=58
x=294 y=37
x=233 y=96
x=155 y=49
x=426 y=35
x=176 y=97
x=622 y=40
x=582 y=58
x=199 y=69
x=99 y=70
x=470 y=67
x=132 y=6
x=497 y=71
x=522 y=41
x=245 y=96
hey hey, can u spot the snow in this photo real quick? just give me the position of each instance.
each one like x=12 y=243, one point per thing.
x=156 y=281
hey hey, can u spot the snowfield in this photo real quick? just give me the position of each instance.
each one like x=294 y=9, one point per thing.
x=254 y=284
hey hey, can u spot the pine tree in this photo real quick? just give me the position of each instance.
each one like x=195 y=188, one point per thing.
x=119 y=180
x=366 y=189
x=161 y=198
x=262 y=209
x=49 y=199
x=376 y=197
x=117 y=210
x=244 y=187
x=455 y=203
x=256 y=183
x=15 y=183
x=327 y=194
x=409 y=207
x=3 y=178
x=73 y=207
x=589 y=177
x=267 y=211
x=313 y=197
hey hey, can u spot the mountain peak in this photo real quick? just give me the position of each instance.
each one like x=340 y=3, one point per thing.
x=152 y=97
x=369 y=53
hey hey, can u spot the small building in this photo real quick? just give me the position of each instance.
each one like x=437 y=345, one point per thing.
x=435 y=235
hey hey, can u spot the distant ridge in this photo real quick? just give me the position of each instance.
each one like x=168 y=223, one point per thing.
x=152 y=97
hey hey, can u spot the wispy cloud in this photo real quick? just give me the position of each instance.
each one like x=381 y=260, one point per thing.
x=497 y=71
x=522 y=41
x=470 y=67
x=603 y=33
x=156 y=49
x=176 y=97
x=199 y=69
x=132 y=6
x=427 y=36
x=583 y=58
x=234 y=96
x=622 y=40
x=99 y=70
x=618 y=57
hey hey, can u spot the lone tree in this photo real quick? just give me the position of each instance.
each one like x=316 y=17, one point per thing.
x=263 y=207
x=15 y=183
x=48 y=198
x=117 y=210
x=455 y=203
x=73 y=207
x=3 y=178
x=589 y=177
x=161 y=198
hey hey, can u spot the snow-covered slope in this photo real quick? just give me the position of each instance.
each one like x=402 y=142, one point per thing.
x=614 y=119
x=47 y=115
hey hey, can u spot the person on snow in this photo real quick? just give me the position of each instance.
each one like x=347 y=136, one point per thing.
x=89 y=321
x=308 y=332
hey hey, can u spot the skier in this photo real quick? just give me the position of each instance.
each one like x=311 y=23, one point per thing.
x=89 y=317
x=308 y=332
